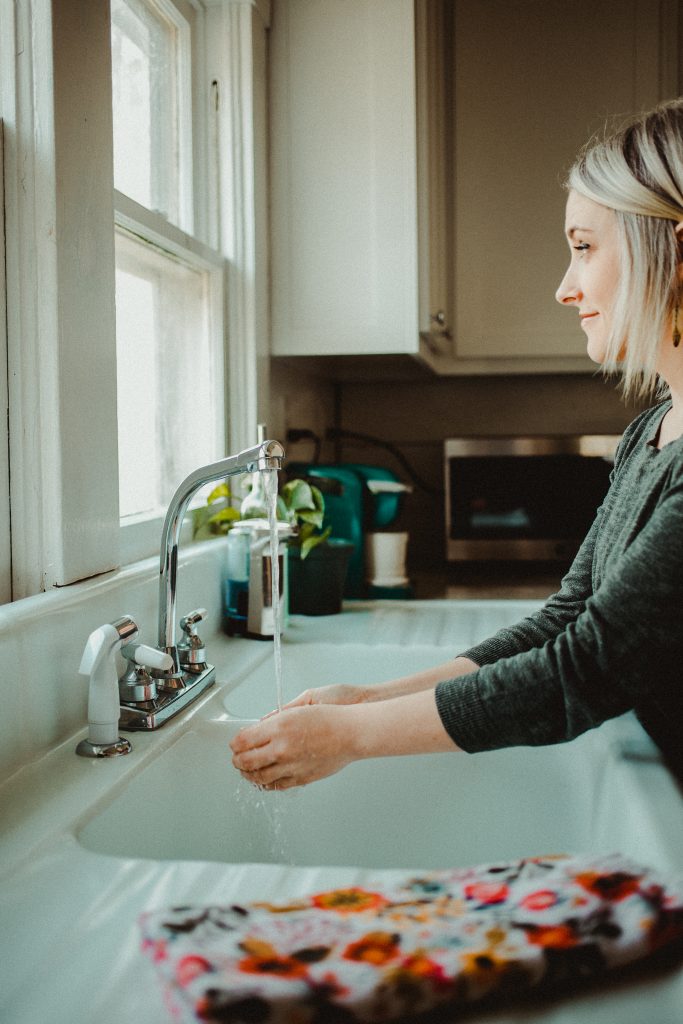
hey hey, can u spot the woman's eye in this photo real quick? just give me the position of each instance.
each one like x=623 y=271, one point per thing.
x=582 y=247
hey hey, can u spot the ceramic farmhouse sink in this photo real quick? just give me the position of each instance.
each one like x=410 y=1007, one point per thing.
x=188 y=803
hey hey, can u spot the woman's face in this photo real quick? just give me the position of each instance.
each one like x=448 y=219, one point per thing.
x=591 y=280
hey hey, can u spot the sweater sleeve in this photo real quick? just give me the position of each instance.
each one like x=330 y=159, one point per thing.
x=560 y=609
x=624 y=650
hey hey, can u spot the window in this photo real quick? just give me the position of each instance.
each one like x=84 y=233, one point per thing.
x=171 y=250
x=152 y=107
x=169 y=308
x=169 y=359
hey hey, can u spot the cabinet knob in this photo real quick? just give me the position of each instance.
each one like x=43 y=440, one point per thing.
x=440 y=329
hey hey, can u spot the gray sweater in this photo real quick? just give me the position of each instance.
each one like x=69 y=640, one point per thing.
x=610 y=640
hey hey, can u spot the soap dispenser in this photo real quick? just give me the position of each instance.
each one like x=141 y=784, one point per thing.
x=99 y=665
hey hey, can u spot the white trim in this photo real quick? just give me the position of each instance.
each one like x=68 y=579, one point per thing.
x=229 y=63
x=186 y=210
x=56 y=97
x=153 y=228
x=264 y=7
x=141 y=536
x=25 y=206
x=5 y=534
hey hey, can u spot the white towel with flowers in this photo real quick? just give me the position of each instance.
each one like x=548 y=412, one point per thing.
x=385 y=951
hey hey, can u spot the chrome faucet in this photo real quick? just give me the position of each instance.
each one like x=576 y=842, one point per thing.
x=167 y=692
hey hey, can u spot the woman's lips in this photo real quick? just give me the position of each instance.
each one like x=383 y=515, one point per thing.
x=585 y=317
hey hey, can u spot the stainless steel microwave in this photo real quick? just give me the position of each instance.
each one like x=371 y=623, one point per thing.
x=515 y=498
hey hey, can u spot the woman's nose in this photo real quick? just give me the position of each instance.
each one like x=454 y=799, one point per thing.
x=568 y=292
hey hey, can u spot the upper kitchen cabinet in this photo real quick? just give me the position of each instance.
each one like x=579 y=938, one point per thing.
x=344 y=238
x=417 y=154
x=533 y=80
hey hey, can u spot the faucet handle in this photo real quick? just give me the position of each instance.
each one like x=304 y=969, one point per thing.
x=136 y=685
x=189 y=621
x=149 y=657
x=191 y=649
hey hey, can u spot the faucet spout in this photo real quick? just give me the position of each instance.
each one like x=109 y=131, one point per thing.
x=267 y=455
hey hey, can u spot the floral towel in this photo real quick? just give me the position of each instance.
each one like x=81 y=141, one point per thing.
x=381 y=952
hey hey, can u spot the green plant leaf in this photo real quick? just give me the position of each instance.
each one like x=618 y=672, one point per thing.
x=314 y=517
x=221 y=491
x=313 y=540
x=213 y=520
x=318 y=498
x=297 y=494
x=225 y=515
x=200 y=519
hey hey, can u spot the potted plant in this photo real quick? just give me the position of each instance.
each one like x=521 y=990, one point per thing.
x=317 y=562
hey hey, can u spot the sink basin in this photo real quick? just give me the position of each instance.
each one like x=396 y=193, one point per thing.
x=428 y=811
x=189 y=803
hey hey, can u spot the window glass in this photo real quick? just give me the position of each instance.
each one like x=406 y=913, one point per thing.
x=169 y=386
x=146 y=78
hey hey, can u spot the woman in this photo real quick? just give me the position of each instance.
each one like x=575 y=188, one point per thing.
x=611 y=639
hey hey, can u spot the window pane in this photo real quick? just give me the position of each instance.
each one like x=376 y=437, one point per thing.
x=145 y=73
x=169 y=383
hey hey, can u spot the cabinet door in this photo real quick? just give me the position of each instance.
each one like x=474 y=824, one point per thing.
x=533 y=80
x=343 y=177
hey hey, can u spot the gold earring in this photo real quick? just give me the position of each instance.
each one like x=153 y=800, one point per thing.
x=677 y=333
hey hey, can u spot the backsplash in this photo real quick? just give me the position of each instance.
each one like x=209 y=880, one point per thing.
x=416 y=415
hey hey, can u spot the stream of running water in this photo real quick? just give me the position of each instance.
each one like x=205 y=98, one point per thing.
x=276 y=604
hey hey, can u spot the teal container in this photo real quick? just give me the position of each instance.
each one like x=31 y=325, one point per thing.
x=354 y=512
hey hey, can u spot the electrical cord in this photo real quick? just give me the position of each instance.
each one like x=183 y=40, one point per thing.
x=294 y=434
x=338 y=433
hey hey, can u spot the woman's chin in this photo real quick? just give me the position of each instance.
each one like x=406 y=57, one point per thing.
x=596 y=351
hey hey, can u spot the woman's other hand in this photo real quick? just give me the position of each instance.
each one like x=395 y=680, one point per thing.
x=337 y=693
x=344 y=693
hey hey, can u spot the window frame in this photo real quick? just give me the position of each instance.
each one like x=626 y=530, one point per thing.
x=55 y=96
x=188 y=24
x=5 y=511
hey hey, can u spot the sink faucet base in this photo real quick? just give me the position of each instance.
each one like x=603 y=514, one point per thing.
x=87 y=749
x=167 y=704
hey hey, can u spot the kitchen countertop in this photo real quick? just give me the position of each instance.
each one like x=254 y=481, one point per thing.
x=71 y=945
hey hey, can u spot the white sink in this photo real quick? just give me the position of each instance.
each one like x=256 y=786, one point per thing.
x=405 y=812
x=430 y=811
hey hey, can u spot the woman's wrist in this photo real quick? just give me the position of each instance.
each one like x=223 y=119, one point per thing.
x=419 y=681
x=408 y=724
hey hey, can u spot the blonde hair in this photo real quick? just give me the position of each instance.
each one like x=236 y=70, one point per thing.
x=638 y=173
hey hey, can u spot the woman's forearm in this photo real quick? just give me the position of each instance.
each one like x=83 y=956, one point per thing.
x=409 y=724
x=419 y=681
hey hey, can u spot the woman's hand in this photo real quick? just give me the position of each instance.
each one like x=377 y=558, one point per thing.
x=343 y=693
x=337 y=693
x=295 y=746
